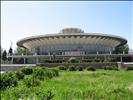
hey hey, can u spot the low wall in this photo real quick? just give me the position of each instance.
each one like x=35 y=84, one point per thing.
x=128 y=64
x=96 y=65
x=13 y=67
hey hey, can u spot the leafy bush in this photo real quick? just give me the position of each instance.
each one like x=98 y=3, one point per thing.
x=49 y=96
x=72 y=68
x=111 y=68
x=106 y=68
x=27 y=70
x=39 y=73
x=91 y=68
x=49 y=74
x=8 y=79
x=55 y=72
x=73 y=60
x=20 y=75
x=79 y=68
x=61 y=67
x=129 y=68
x=44 y=95
x=31 y=81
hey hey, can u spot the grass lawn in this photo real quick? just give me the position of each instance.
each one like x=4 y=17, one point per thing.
x=78 y=85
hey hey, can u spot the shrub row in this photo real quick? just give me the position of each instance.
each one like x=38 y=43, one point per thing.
x=113 y=67
x=41 y=74
x=61 y=67
x=38 y=72
x=129 y=68
x=89 y=68
x=10 y=79
x=31 y=81
x=27 y=70
x=75 y=68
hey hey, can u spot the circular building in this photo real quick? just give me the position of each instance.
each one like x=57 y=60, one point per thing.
x=72 y=41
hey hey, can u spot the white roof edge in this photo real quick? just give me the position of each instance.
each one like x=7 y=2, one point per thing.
x=67 y=34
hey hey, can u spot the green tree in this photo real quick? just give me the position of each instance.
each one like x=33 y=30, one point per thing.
x=121 y=49
x=1 y=51
x=10 y=52
x=21 y=50
x=4 y=55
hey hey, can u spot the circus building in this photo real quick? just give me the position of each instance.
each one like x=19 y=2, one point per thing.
x=72 y=41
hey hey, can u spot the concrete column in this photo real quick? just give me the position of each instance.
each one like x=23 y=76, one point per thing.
x=24 y=61
x=12 y=60
x=63 y=58
x=36 y=60
x=82 y=58
x=120 y=58
x=48 y=53
x=104 y=58
x=120 y=65
x=50 y=58
x=35 y=53
x=62 y=53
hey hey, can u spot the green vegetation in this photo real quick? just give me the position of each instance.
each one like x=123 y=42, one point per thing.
x=91 y=68
x=19 y=75
x=8 y=80
x=72 y=68
x=72 y=85
x=79 y=68
x=111 y=68
x=120 y=49
x=4 y=55
x=31 y=82
x=27 y=70
x=73 y=60
x=10 y=52
x=129 y=68
x=21 y=50
x=61 y=67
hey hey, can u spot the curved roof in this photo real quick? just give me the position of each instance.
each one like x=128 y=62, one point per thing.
x=82 y=38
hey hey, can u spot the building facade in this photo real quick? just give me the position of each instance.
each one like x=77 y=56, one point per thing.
x=72 y=41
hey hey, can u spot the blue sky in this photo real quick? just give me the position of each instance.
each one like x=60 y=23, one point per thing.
x=20 y=19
